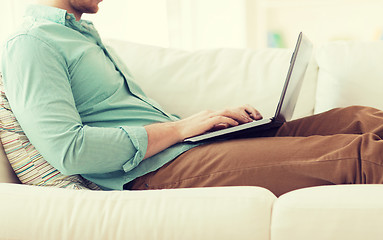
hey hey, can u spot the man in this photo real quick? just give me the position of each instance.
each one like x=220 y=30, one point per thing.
x=81 y=108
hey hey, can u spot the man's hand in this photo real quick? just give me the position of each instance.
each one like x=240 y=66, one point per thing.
x=215 y=120
x=164 y=135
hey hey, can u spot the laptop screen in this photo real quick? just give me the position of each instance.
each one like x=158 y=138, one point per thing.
x=291 y=89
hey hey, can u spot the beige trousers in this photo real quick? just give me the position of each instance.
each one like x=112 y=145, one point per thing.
x=341 y=146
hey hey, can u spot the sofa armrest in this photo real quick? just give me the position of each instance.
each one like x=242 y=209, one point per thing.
x=7 y=175
x=329 y=212
x=30 y=212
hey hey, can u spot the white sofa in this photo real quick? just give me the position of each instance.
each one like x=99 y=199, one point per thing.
x=340 y=74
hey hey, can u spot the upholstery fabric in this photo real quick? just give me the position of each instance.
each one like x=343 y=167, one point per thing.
x=349 y=212
x=214 y=78
x=223 y=213
x=7 y=175
x=28 y=164
x=349 y=74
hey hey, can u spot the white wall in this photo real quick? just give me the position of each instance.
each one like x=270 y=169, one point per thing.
x=196 y=24
x=11 y=13
x=143 y=21
x=321 y=20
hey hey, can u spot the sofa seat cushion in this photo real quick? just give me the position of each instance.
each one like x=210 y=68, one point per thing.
x=351 y=212
x=194 y=213
x=28 y=164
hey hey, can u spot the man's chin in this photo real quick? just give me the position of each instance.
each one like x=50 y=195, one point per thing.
x=92 y=10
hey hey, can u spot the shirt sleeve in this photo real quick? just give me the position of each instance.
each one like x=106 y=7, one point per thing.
x=36 y=81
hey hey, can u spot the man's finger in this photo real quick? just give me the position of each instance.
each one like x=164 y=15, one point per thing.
x=254 y=113
x=235 y=114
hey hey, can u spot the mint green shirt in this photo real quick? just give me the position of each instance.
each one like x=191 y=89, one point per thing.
x=78 y=103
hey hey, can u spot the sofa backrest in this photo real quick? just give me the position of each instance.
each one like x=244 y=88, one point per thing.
x=350 y=73
x=185 y=82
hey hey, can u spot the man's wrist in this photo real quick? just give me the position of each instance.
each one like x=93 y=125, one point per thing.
x=177 y=128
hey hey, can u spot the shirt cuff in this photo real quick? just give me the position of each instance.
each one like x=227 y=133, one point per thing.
x=139 y=138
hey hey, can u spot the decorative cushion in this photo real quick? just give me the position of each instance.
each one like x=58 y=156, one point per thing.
x=28 y=164
x=349 y=74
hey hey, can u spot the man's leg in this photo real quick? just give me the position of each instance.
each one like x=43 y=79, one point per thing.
x=350 y=120
x=280 y=164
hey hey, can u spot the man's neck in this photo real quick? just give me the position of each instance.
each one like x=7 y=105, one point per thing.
x=63 y=4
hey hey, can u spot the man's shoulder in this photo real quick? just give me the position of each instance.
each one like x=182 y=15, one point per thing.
x=34 y=31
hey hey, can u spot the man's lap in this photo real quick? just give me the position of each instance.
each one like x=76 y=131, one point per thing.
x=281 y=163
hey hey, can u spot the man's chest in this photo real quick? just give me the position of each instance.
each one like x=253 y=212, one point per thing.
x=93 y=76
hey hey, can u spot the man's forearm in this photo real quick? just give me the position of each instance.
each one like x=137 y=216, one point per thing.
x=164 y=135
x=160 y=137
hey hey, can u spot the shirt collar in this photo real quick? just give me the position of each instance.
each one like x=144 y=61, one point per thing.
x=56 y=15
x=60 y=16
x=53 y=14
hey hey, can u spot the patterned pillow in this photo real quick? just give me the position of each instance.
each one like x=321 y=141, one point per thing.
x=28 y=164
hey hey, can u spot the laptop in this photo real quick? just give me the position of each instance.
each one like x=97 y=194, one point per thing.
x=285 y=108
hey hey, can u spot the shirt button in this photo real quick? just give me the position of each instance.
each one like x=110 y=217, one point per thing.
x=68 y=17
